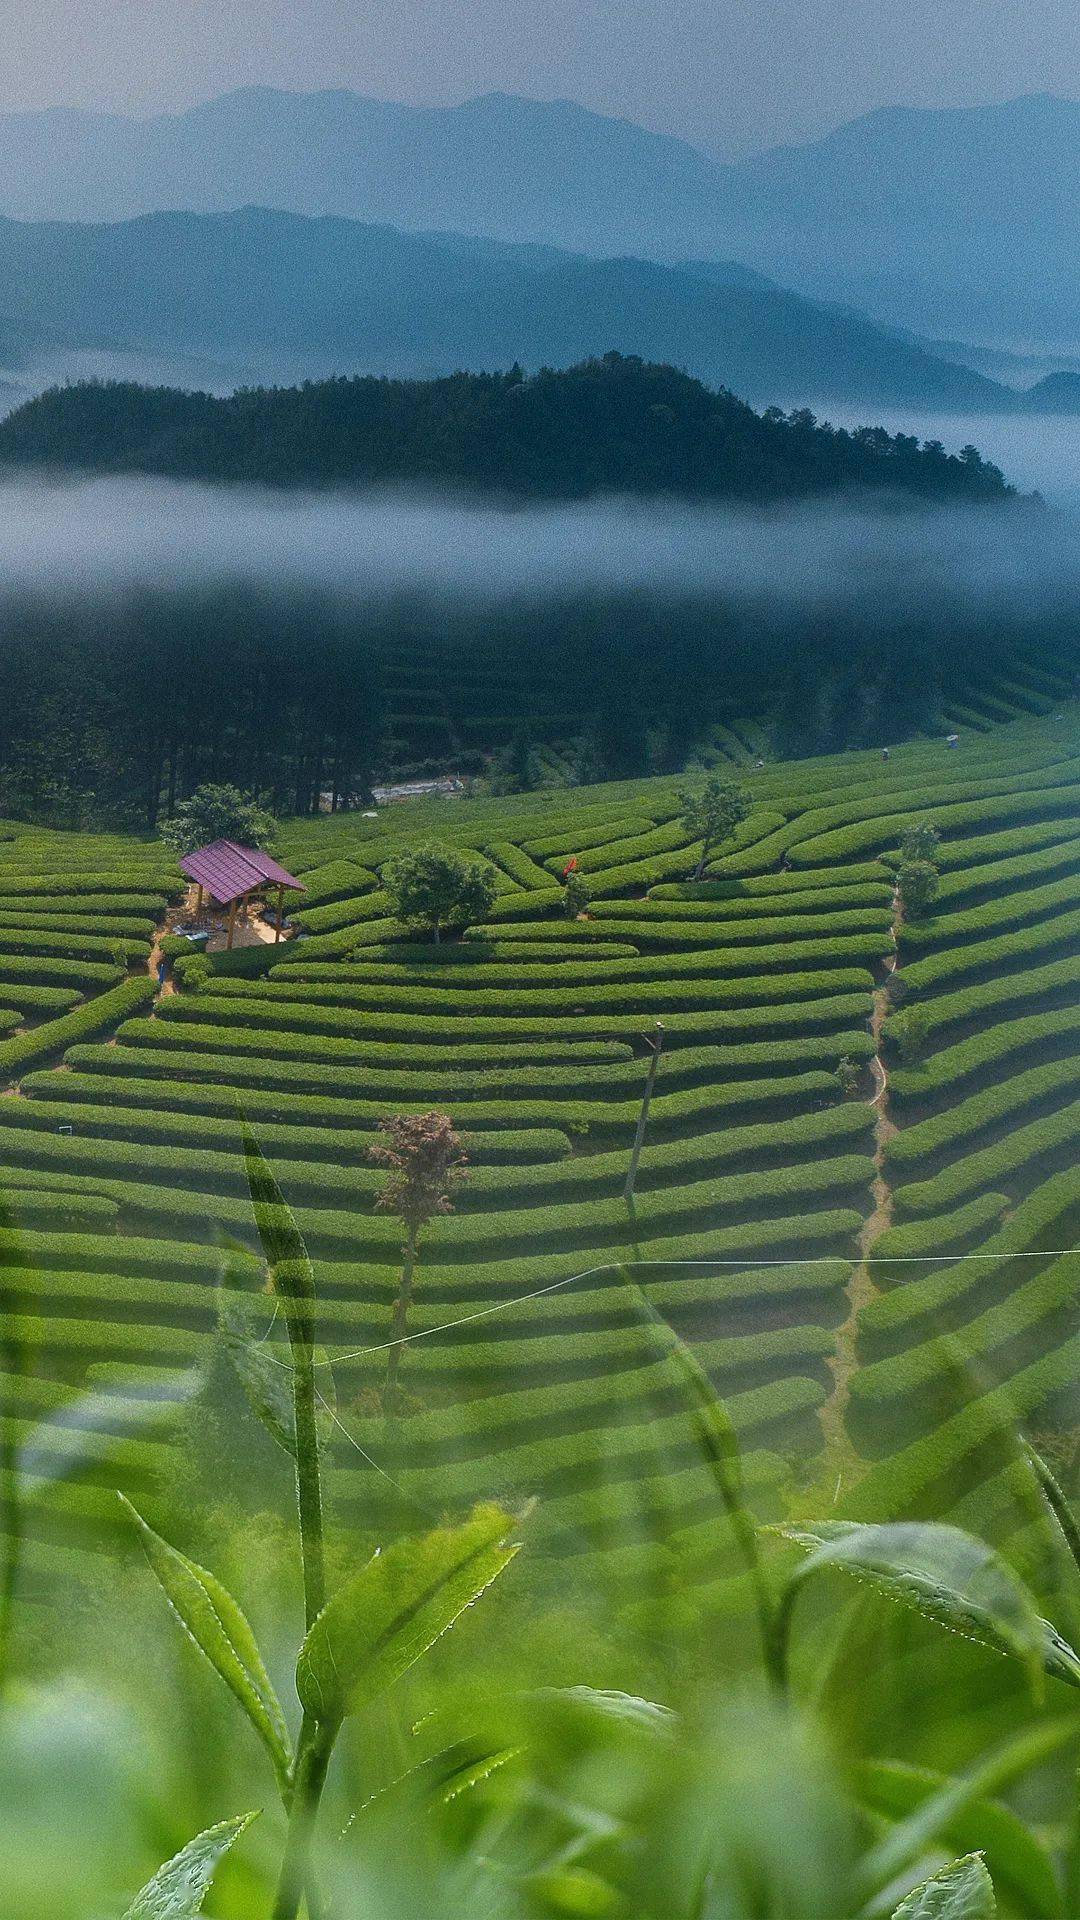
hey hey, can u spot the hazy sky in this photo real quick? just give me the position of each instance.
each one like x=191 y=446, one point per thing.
x=730 y=75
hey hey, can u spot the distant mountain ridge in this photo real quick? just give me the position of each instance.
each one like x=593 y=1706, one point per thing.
x=279 y=297
x=954 y=222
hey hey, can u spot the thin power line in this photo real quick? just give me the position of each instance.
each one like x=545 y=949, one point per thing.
x=615 y=1266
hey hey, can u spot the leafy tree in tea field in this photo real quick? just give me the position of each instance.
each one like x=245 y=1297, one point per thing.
x=435 y=887
x=920 y=842
x=711 y=814
x=917 y=884
x=422 y=1156
x=575 y=898
x=218 y=813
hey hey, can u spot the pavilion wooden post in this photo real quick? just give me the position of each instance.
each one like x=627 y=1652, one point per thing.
x=232 y=926
x=199 y=902
x=657 y=1046
x=280 y=912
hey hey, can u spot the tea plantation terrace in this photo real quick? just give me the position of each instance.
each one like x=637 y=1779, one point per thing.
x=121 y=1157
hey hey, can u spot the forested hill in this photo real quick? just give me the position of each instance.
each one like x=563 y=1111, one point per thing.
x=612 y=425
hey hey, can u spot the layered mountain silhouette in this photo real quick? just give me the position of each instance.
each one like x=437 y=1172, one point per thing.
x=220 y=300
x=954 y=222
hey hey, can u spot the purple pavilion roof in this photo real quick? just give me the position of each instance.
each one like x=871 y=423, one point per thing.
x=227 y=871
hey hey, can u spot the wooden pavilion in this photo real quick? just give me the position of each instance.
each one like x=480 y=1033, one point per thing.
x=229 y=874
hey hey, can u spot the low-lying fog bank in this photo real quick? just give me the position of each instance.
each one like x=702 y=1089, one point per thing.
x=63 y=539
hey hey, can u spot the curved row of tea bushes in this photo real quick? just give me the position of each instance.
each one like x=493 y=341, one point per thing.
x=928 y=1475
x=597 y=1458
x=27 y=999
x=906 y=1391
x=794 y=1265
x=281 y=1083
x=954 y=858
x=670 y=1215
x=194 y=1115
x=902 y=1254
x=760 y=886
x=94 y=1016
x=781 y=1058
x=650 y=985
x=864 y=829
x=971 y=882
x=171 y=1143
x=125 y=886
x=1009 y=951
x=560 y=843
x=342 y=914
x=504 y=1424
x=1011 y=909
x=744 y=1004
x=336 y=880
x=934 y=1139
x=17 y=941
x=106 y=906
x=1023 y=1149
x=517 y=865
x=758 y=908
x=937 y=1297
x=1050 y=986
x=110 y=929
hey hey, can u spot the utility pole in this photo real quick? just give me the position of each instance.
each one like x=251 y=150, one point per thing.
x=657 y=1046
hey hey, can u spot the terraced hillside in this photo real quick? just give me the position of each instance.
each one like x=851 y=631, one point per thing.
x=534 y=1367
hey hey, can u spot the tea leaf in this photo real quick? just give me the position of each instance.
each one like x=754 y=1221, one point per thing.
x=718 y=1442
x=944 y=1574
x=934 y=1820
x=628 y=1708
x=961 y=1891
x=389 y=1614
x=268 y=1379
x=211 y=1617
x=1018 y=1862
x=443 y=1777
x=293 y=1280
x=178 y=1889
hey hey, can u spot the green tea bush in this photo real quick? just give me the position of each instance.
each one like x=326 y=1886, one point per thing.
x=94 y=1016
x=1013 y=910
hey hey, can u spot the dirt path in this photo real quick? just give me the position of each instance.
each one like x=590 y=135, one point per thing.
x=182 y=911
x=842 y=1460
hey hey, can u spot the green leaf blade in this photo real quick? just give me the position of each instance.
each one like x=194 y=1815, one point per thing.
x=213 y=1620
x=946 y=1575
x=178 y=1889
x=281 y=1240
x=1017 y=1861
x=961 y=1891
x=390 y=1613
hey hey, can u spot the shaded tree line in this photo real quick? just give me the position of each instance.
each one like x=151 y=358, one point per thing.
x=114 y=708
x=617 y=424
x=117 y=708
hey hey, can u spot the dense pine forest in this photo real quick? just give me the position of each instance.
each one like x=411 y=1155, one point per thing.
x=117 y=704
x=616 y=425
